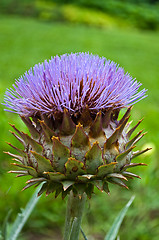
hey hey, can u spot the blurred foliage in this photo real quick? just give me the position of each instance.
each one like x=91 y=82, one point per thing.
x=143 y=14
x=25 y=42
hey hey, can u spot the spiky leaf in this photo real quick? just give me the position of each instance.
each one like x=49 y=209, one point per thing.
x=105 y=169
x=74 y=168
x=42 y=162
x=61 y=153
x=93 y=158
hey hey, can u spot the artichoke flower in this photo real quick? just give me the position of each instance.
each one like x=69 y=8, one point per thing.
x=71 y=105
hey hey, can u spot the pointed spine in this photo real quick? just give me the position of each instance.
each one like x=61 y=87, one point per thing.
x=17 y=160
x=85 y=178
x=66 y=192
x=43 y=188
x=138 y=139
x=18 y=138
x=35 y=145
x=130 y=143
x=89 y=190
x=48 y=132
x=21 y=134
x=130 y=175
x=80 y=139
x=106 y=187
x=61 y=153
x=114 y=137
x=93 y=158
x=36 y=180
x=85 y=118
x=51 y=188
x=48 y=121
x=138 y=153
x=118 y=182
x=116 y=175
x=21 y=175
x=15 y=156
x=115 y=114
x=133 y=129
x=96 y=130
x=99 y=184
x=29 y=185
x=43 y=164
x=19 y=172
x=29 y=169
x=133 y=165
x=125 y=115
x=35 y=134
x=107 y=117
x=58 y=191
x=67 y=127
x=105 y=169
x=66 y=184
x=122 y=155
x=17 y=149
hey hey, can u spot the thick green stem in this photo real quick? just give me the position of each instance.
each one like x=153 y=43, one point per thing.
x=74 y=211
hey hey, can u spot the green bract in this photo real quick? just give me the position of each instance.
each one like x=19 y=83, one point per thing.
x=94 y=151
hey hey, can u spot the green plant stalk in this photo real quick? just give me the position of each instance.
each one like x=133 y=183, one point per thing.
x=23 y=216
x=74 y=211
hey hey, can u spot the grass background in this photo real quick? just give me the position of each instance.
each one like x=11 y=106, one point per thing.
x=25 y=42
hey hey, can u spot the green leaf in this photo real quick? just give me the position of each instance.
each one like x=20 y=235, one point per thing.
x=4 y=232
x=23 y=216
x=74 y=230
x=83 y=234
x=113 y=232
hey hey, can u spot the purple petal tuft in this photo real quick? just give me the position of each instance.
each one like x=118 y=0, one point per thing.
x=73 y=81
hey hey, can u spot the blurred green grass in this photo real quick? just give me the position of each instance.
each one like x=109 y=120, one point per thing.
x=25 y=42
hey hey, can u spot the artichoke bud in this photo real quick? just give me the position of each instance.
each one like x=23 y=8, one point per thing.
x=75 y=156
x=71 y=105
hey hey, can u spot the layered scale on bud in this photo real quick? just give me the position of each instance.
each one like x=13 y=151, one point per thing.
x=77 y=141
x=77 y=155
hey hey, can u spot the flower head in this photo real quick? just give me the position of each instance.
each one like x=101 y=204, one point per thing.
x=70 y=105
x=73 y=82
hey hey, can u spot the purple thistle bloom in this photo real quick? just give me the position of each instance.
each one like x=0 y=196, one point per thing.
x=73 y=82
x=73 y=102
